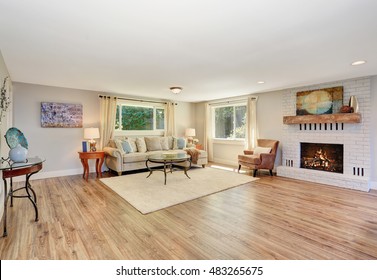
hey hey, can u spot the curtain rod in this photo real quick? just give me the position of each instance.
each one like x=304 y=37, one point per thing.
x=231 y=101
x=139 y=100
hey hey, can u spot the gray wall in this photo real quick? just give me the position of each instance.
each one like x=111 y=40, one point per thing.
x=60 y=145
x=269 y=120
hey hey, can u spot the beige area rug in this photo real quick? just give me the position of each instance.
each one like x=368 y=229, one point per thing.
x=150 y=194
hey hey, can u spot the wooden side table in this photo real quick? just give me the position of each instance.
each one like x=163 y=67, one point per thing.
x=99 y=156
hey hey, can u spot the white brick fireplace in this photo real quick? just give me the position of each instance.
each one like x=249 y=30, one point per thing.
x=354 y=137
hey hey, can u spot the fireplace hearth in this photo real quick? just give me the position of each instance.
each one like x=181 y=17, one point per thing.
x=324 y=157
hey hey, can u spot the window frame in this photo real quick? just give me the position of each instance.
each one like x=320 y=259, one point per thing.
x=213 y=119
x=146 y=104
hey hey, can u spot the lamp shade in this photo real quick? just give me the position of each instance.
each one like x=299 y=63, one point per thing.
x=91 y=133
x=190 y=132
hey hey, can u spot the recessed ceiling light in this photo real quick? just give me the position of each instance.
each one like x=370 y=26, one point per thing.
x=359 y=62
x=260 y=82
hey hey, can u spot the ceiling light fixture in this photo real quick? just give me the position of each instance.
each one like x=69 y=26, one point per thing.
x=176 y=90
x=359 y=62
x=260 y=82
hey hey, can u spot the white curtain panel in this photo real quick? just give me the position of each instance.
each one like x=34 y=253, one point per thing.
x=170 y=119
x=108 y=106
x=251 y=123
x=207 y=145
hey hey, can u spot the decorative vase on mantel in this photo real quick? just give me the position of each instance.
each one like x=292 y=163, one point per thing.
x=354 y=104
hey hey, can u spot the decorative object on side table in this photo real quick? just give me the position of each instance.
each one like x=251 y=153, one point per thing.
x=190 y=133
x=18 y=154
x=91 y=133
x=18 y=145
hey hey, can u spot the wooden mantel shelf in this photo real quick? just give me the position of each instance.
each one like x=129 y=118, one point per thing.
x=328 y=118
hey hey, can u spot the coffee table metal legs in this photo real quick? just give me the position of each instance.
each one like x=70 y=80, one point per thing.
x=167 y=166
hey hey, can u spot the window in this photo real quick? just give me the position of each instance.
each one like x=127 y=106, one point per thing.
x=134 y=117
x=230 y=121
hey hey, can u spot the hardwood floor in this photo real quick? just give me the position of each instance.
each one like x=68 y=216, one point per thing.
x=272 y=218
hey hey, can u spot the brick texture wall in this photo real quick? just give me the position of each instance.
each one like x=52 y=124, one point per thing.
x=354 y=137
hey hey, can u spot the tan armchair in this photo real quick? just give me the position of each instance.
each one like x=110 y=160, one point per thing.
x=260 y=157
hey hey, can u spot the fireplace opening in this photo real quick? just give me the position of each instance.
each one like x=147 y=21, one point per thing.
x=325 y=157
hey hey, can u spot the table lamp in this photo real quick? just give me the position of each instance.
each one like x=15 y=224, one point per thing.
x=91 y=133
x=190 y=133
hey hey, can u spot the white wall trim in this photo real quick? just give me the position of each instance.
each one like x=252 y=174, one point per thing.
x=225 y=161
x=373 y=185
x=50 y=174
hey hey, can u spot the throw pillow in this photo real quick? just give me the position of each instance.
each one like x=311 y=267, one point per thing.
x=180 y=143
x=171 y=142
x=261 y=150
x=118 y=145
x=127 y=147
x=132 y=142
x=164 y=143
x=153 y=143
x=141 y=146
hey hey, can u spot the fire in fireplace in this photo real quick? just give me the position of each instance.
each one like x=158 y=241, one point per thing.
x=325 y=157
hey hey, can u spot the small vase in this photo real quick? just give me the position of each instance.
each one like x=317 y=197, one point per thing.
x=354 y=104
x=18 y=154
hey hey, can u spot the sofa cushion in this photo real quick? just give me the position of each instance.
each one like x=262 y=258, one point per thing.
x=165 y=143
x=170 y=142
x=118 y=145
x=153 y=143
x=133 y=143
x=261 y=150
x=253 y=159
x=179 y=143
x=141 y=146
x=135 y=157
x=127 y=148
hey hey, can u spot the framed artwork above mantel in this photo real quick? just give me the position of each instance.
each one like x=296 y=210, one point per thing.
x=319 y=101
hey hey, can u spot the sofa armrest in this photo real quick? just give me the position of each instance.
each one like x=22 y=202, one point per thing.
x=114 y=159
x=248 y=152
x=113 y=152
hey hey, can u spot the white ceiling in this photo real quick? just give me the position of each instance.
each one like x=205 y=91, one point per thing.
x=212 y=48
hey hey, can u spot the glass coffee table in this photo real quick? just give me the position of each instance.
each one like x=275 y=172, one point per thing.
x=168 y=160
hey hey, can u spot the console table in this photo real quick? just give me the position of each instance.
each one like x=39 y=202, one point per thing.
x=10 y=170
x=99 y=156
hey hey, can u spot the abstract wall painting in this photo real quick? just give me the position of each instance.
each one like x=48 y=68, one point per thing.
x=319 y=101
x=62 y=115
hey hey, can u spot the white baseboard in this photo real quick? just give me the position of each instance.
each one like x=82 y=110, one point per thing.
x=373 y=185
x=225 y=161
x=50 y=174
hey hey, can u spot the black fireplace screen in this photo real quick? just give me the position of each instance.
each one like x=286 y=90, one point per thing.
x=325 y=157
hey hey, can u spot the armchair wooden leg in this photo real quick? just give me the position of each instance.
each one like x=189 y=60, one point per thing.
x=271 y=172
x=239 y=168
x=255 y=172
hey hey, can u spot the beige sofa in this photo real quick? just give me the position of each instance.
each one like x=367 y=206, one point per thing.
x=130 y=153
